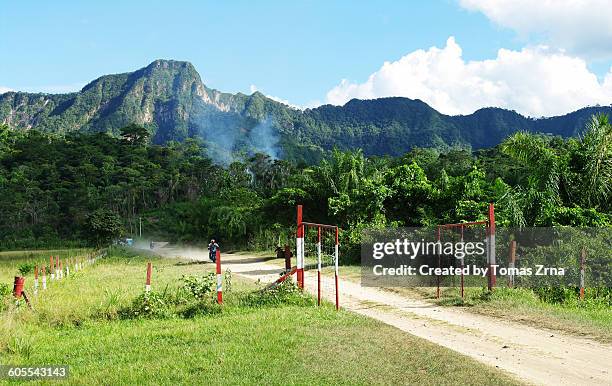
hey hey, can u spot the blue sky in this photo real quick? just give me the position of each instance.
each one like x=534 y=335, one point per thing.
x=298 y=51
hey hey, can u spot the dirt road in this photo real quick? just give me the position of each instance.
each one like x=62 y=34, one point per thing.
x=533 y=355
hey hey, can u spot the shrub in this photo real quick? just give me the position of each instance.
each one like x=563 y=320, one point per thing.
x=199 y=287
x=148 y=305
x=201 y=308
x=286 y=293
x=26 y=268
x=5 y=292
x=557 y=295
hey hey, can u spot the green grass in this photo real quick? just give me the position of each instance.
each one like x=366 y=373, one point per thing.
x=75 y=323
x=518 y=305
x=522 y=305
x=9 y=260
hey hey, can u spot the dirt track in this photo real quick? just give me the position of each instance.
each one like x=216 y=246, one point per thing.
x=533 y=355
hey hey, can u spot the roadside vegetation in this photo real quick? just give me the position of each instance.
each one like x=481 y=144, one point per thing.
x=100 y=323
x=591 y=318
x=87 y=189
x=557 y=309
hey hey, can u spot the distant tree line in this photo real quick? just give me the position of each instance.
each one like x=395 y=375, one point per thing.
x=89 y=188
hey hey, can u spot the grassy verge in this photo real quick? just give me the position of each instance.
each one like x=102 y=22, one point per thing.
x=10 y=261
x=249 y=342
x=519 y=305
x=523 y=306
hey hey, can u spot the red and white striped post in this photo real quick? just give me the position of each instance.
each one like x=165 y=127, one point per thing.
x=57 y=268
x=582 y=261
x=219 y=277
x=44 y=278
x=51 y=267
x=336 y=259
x=36 y=280
x=318 y=266
x=511 y=263
x=491 y=246
x=148 y=282
x=300 y=248
x=68 y=267
x=61 y=268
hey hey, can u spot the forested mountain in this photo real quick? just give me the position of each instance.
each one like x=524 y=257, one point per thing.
x=170 y=100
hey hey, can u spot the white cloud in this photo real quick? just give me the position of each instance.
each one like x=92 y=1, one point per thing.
x=581 y=27
x=534 y=81
x=4 y=89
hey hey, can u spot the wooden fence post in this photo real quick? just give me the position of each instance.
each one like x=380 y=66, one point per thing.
x=36 y=280
x=44 y=278
x=511 y=263
x=582 y=262
x=148 y=282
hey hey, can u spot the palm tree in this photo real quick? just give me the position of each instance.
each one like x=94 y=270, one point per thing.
x=596 y=148
x=546 y=173
x=535 y=154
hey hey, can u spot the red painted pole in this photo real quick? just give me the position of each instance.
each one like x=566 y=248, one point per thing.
x=18 y=285
x=300 y=248
x=491 y=246
x=337 y=258
x=35 y=279
x=219 y=277
x=319 y=266
x=582 y=262
x=149 y=272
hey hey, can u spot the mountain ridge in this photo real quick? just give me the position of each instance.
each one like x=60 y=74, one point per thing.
x=169 y=98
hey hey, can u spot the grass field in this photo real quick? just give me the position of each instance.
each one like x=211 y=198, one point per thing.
x=9 y=261
x=76 y=322
x=519 y=305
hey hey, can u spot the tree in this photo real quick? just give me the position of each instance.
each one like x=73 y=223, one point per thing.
x=596 y=150
x=546 y=173
x=104 y=226
x=135 y=134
